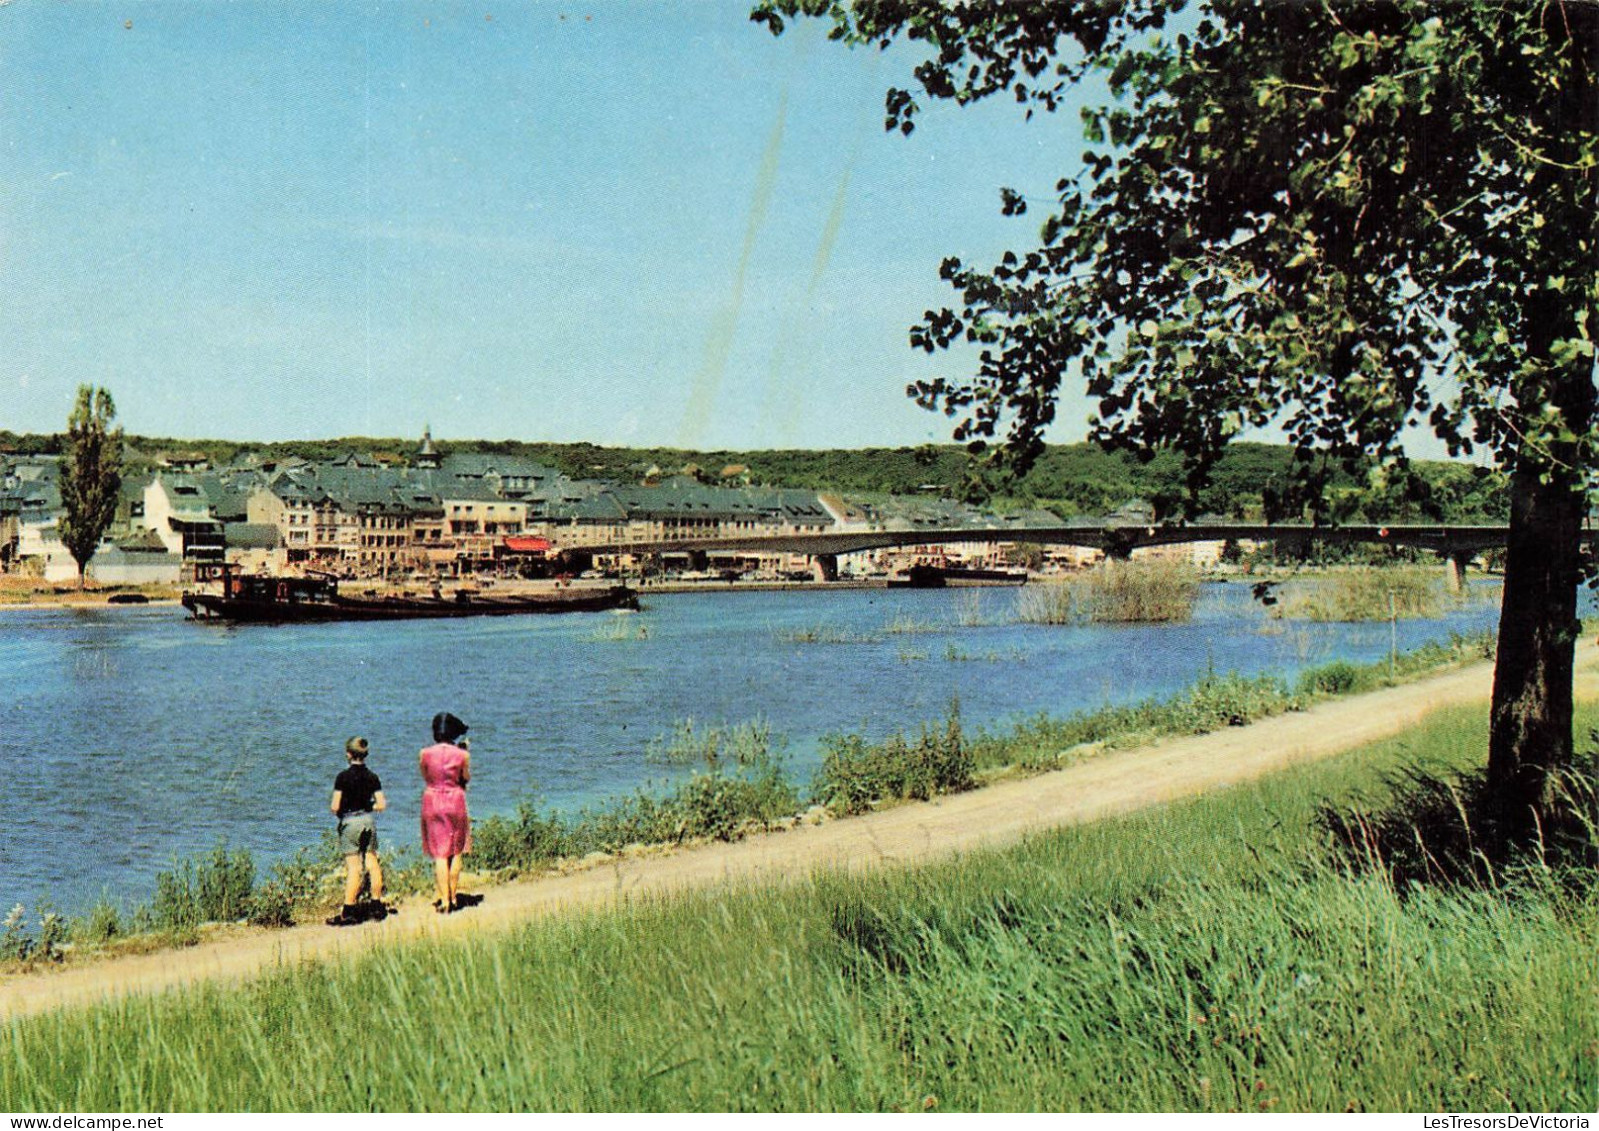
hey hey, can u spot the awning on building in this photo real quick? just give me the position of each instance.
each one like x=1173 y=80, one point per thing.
x=527 y=544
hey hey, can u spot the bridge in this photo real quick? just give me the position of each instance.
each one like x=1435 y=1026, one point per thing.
x=1457 y=545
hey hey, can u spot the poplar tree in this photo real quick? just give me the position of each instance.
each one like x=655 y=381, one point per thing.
x=91 y=474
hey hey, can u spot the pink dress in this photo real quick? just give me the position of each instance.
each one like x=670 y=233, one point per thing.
x=446 y=829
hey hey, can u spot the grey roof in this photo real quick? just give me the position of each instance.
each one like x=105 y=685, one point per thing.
x=479 y=465
x=687 y=499
x=251 y=536
x=599 y=507
x=226 y=495
x=142 y=542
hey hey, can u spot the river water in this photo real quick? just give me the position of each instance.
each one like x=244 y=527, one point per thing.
x=134 y=736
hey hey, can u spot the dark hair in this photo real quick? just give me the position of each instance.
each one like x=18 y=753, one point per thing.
x=356 y=748
x=447 y=728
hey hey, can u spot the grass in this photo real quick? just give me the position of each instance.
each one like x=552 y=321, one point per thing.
x=618 y=629
x=1214 y=955
x=1140 y=592
x=824 y=634
x=903 y=624
x=1372 y=594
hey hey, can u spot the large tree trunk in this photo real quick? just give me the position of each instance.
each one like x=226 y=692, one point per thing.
x=1530 y=734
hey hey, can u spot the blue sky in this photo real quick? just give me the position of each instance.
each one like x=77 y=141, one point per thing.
x=625 y=223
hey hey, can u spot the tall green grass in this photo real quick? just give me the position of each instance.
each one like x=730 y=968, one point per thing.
x=1213 y=955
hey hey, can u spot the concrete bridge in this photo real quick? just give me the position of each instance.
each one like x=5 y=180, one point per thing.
x=1457 y=545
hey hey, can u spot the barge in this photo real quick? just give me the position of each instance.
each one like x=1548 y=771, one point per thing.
x=921 y=576
x=279 y=600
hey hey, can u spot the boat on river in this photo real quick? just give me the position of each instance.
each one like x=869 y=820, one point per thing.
x=279 y=600
x=923 y=576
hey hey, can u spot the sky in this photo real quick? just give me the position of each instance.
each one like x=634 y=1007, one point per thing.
x=625 y=223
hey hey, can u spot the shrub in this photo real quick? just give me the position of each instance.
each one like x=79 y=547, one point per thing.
x=215 y=888
x=99 y=925
x=16 y=944
x=1337 y=678
x=855 y=773
x=272 y=906
x=1228 y=700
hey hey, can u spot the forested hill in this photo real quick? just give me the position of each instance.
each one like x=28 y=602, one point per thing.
x=1068 y=478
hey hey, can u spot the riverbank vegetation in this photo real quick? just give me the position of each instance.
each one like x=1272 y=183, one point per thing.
x=1135 y=592
x=1364 y=594
x=727 y=781
x=1227 y=953
x=21 y=589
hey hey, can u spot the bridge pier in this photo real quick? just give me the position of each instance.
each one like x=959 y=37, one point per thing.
x=1119 y=545
x=825 y=566
x=1455 y=563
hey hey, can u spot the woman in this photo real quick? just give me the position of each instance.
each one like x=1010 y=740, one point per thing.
x=446 y=828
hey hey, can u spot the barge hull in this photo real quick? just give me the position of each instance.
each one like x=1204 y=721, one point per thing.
x=206 y=606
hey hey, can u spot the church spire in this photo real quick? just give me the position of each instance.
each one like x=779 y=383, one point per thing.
x=426 y=454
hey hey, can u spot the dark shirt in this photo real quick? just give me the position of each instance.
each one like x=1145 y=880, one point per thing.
x=356 y=786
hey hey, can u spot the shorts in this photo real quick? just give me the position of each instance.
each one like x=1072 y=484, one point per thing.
x=358 y=834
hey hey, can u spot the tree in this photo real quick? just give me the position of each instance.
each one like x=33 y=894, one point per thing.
x=1344 y=219
x=91 y=474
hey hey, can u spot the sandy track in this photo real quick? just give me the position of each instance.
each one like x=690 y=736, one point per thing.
x=1115 y=783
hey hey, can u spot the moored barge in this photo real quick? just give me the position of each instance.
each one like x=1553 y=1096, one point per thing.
x=277 y=600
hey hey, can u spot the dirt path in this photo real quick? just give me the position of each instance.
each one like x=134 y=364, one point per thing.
x=1116 y=783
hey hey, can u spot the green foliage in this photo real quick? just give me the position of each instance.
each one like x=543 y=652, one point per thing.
x=1215 y=701
x=1340 y=677
x=856 y=774
x=91 y=474
x=311 y=878
x=738 y=783
x=16 y=944
x=45 y=944
x=1337 y=678
x=102 y=923
x=215 y=888
x=1274 y=225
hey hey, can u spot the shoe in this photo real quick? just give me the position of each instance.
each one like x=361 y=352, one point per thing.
x=346 y=917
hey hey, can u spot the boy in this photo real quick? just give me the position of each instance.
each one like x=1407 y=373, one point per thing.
x=357 y=798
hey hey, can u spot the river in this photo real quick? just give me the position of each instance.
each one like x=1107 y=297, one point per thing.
x=134 y=736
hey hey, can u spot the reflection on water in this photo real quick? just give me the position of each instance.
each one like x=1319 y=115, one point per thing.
x=134 y=735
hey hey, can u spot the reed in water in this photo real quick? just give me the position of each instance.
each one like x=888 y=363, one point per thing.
x=1132 y=592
